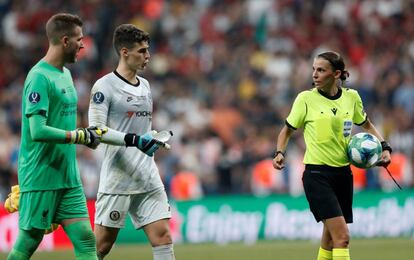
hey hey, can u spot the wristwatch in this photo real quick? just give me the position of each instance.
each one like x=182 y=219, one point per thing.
x=386 y=146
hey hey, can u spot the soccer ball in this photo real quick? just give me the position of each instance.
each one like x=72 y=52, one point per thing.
x=364 y=150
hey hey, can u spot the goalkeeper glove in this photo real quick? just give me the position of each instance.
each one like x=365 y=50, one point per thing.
x=12 y=202
x=146 y=142
x=90 y=136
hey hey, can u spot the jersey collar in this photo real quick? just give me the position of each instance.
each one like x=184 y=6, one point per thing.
x=124 y=79
x=337 y=95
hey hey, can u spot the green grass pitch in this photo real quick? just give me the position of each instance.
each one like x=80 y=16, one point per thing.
x=366 y=249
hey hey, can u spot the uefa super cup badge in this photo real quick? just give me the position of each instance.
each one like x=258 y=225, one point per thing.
x=98 y=97
x=34 y=97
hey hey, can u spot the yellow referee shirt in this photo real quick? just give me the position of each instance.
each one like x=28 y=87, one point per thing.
x=327 y=124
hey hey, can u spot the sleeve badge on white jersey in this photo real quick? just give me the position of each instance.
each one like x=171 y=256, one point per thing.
x=98 y=97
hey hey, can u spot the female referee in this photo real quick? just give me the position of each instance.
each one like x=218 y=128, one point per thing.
x=326 y=113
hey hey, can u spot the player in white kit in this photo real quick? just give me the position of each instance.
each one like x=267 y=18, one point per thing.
x=129 y=178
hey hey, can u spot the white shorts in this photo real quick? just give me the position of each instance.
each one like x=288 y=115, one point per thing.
x=145 y=208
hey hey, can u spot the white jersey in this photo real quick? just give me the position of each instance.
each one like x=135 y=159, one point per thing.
x=117 y=104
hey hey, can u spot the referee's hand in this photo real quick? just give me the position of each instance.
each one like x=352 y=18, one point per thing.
x=385 y=159
x=279 y=161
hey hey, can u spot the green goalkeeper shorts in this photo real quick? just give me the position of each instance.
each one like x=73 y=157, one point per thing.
x=39 y=209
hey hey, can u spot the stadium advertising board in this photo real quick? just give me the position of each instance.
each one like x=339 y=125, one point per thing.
x=247 y=219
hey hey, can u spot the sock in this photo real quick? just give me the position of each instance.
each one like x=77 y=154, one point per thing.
x=324 y=254
x=164 y=252
x=26 y=244
x=83 y=240
x=340 y=254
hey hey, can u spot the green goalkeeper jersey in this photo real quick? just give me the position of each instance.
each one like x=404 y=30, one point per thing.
x=51 y=93
x=327 y=124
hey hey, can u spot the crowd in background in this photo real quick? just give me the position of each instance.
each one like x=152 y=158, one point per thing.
x=224 y=74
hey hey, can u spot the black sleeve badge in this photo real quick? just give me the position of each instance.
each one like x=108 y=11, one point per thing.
x=98 y=97
x=34 y=97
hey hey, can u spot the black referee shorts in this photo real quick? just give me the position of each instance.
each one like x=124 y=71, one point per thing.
x=329 y=191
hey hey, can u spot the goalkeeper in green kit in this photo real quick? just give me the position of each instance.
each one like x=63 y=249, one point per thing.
x=50 y=186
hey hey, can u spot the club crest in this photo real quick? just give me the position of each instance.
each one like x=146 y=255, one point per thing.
x=114 y=215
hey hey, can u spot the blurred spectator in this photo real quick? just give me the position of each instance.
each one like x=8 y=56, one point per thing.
x=400 y=169
x=265 y=179
x=185 y=186
x=224 y=74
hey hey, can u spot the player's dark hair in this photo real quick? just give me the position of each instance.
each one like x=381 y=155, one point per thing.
x=62 y=24
x=127 y=35
x=337 y=63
